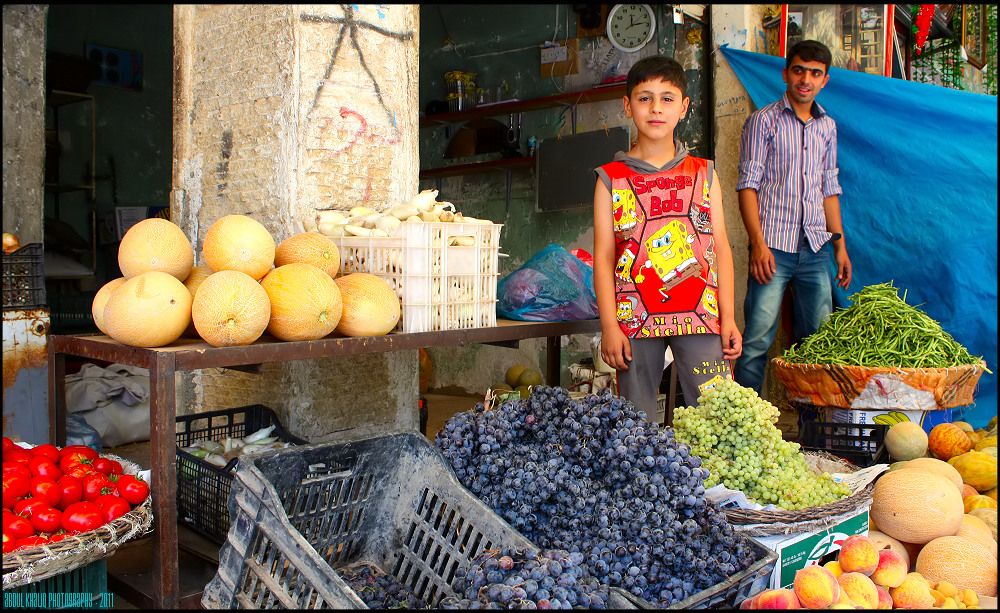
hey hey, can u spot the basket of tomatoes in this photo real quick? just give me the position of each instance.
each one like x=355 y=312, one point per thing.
x=67 y=507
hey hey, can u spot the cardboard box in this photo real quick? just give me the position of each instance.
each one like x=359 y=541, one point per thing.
x=926 y=419
x=802 y=549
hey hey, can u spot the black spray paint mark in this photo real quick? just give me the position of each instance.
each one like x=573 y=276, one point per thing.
x=223 y=168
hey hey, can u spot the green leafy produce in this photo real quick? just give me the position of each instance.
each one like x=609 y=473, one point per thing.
x=880 y=329
x=732 y=430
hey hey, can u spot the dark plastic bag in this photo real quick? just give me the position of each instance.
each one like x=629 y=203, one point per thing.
x=553 y=285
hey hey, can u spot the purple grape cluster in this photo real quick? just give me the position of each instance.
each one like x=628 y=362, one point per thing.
x=593 y=477
x=379 y=590
x=508 y=578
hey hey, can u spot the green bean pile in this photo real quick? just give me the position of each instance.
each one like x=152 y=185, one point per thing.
x=880 y=329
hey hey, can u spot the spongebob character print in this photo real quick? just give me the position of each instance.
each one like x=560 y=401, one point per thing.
x=666 y=283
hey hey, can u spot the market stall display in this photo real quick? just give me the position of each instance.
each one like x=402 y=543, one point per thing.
x=592 y=476
x=67 y=508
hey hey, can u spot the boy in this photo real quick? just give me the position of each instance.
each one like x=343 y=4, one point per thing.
x=790 y=205
x=663 y=267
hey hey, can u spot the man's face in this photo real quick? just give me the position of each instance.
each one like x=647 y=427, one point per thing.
x=804 y=79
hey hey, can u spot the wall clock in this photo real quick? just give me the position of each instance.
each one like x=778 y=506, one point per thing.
x=631 y=26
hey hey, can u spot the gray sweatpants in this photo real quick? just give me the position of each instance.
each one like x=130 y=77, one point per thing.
x=697 y=360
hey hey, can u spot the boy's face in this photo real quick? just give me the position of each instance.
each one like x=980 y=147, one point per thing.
x=656 y=107
x=804 y=79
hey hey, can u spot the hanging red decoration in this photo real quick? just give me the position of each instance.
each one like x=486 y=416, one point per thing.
x=925 y=14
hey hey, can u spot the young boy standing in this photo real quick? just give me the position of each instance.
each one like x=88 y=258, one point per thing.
x=663 y=267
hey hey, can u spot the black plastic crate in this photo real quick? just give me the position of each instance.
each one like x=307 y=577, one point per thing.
x=860 y=444
x=203 y=489
x=390 y=501
x=24 y=278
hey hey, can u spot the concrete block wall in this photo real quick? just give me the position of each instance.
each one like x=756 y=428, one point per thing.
x=279 y=110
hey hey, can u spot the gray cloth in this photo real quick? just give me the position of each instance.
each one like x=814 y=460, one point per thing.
x=113 y=400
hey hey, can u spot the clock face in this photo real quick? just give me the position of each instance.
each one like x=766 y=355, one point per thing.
x=631 y=26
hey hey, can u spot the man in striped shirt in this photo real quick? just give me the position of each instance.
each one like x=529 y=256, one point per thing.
x=789 y=200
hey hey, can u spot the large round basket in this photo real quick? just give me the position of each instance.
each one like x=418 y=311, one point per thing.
x=781 y=521
x=839 y=385
x=34 y=564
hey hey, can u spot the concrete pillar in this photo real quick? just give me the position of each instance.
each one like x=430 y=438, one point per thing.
x=278 y=110
x=23 y=119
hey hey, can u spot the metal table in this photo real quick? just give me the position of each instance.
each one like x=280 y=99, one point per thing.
x=189 y=354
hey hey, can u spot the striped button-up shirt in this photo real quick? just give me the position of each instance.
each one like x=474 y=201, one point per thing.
x=793 y=167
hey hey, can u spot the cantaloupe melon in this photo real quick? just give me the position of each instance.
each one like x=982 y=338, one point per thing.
x=976 y=529
x=306 y=304
x=101 y=299
x=198 y=274
x=309 y=248
x=230 y=309
x=960 y=562
x=155 y=244
x=989 y=517
x=238 y=242
x=151 y=309
x=940 y=467
x=906 y=440
x=371 y=307
x=916 y=507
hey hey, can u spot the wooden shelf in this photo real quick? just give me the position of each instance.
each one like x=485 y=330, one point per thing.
x=598 y=94
x=477 y=167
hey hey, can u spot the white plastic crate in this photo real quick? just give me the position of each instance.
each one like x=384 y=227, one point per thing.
x=441 y=286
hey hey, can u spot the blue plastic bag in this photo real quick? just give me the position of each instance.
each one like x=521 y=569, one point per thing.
x=553 y=285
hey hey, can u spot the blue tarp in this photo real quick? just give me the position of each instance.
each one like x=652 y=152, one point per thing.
x=918 y=166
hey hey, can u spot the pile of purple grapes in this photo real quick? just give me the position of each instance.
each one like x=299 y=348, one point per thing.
x=379 y=590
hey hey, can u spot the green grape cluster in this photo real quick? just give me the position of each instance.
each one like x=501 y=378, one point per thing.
x=733 y=431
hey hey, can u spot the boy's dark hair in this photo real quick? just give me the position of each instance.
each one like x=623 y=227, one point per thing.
x=810 y=51
x=657 y=67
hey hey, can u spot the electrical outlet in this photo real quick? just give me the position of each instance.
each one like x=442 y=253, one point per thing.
x=554 y=54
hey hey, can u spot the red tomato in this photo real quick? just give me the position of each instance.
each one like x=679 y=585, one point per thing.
x=28 y=506
x=107 y=466
x=8 y=540
x=16 y=455
x=18 y=527
x=14 y=486
x=43 y=466
x=8 y=444
x=58 y=536
x=133 y=489
x=48 y=450
x=79 y=471
x=47 y=488
x=47 y=520
x=73 y=459
x=83 y=451
x=72 y=490
x=31 y=541
x=114 y=506
x=96 y=484
x=20 y=468
x=82 y=516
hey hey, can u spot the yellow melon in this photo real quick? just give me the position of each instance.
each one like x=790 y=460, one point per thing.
x=940 y=467
x=976 y=529
x=989 y=517
x=306 y=304
x=961 y=562
x=151 y=309
x=371 y=307
x=977 y=469
x=906 y=440
x=238 y=242
x=155 y=244
x=101 y=299
x=230 y=309
x=198 y=274
x=309 y=248
x=916 y=507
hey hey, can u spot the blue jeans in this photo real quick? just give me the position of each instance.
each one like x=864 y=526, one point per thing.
x=809 y=275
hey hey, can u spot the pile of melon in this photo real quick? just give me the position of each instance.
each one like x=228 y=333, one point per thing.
x=247 y=286
x=937 y=505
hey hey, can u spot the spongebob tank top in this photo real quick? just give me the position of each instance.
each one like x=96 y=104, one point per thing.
x=666 y=282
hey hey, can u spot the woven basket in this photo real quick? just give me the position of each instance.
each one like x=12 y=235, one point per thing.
x=37 y=563
x=838 y=385
x=781 y=521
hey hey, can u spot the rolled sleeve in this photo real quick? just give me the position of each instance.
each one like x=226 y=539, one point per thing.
x=831 y=185
x=751 y=174
x=752 y=152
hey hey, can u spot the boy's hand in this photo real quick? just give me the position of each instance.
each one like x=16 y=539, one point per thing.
x=616 y=349
x=762 y=263
x=843 y=268
x=732 y=340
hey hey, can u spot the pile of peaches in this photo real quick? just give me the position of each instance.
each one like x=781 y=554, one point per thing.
x=863 y=577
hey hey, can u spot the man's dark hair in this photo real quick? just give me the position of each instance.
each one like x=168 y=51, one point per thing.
x=810 y=51
x=657 y=67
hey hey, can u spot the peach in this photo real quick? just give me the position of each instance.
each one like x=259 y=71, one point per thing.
x=834 y=567
x=892 y=569
x=912 y=593
x=845 y=601
x=858 y=555
x=859 y=588
x=776 y=599
x=884 y=599
x=816 y=587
